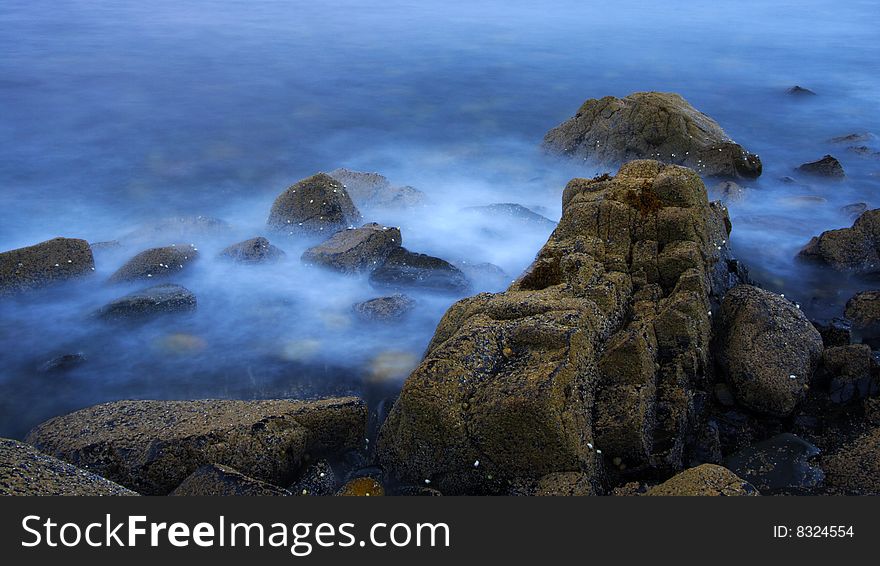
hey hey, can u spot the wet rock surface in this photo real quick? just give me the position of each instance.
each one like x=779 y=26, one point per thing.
x=652 y=125
x=254 y=250
x=148 y=303
x=48 y=262
x=317 y=479
x=704 y=480
x=313 y=205
x=850 y=250
x=850 y=372
x=152 y=446
x=355 y=249
x=394 y=307
x=156 y=263
x=782 y=464
x=403 y=269
x=217 y=480
x=26 y=471
x=828 y=166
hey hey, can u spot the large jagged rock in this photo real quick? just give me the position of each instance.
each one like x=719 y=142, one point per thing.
x=600 y=345
x=707 y=479
x=48 y=262
x=355 y=249
x=652 y=125
x=152 y=446
x=372 y=190
x=317 y=204
x=156 y=263
x=24 y=470
x=768 y=349
x=851 y=250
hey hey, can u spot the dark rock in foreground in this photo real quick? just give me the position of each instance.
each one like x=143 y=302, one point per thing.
x=403 y=269
x=255 y=250
x=828 y=166
x=152 y=446
x=781 y=464
x=317 y=204
x=156 y=263
x=355 y=249
x=148 y=303
x=768 y=349
x=707 y=479
x=385 y=308
x=45 y=263
x=26 y=471
x=852 y=250
x=651 y=125
x=217 y=480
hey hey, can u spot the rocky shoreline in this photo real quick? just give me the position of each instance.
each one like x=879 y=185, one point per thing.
x=635 y=356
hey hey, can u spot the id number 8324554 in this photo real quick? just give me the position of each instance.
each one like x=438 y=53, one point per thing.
x=813 y=531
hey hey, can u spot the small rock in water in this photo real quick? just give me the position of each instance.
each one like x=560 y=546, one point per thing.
x=854 y=210
x=804 y=200
x=149 y=302
x=851 y=250
x=828 y=167
x=394 y=307
x=852 y=138
x=45 y=263
x=318 y=204
x=404 y=269
x=355 y=249
x=778 y=465
x=63 y=363
x=156 y=263
x=798 y=90
x=255 y=250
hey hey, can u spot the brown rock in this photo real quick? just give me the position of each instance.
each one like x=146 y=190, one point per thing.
x=317 y=204
x=156 y=263
x=707 y=479
x=52 y=261
x=355 y=249
x=255 y=250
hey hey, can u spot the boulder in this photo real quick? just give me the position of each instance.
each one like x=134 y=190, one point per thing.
x=768 y=350
x=863 y=311
x=598 y=347
x=854 y=469
x=317 y=204
x=390 y=308
x=778 y=465
x=152 y=446
x=706 y=479
x=372 y=190
x=851 y=372
x=156 y=263
x=654 y=125
x=255 y=250
x=24 y=470
x=217 y=480
x=48 y=262
x=828 y=166
x=403 y=269
x=148 y=303
x=834 y=332
x=355 y=249
x=851 y=250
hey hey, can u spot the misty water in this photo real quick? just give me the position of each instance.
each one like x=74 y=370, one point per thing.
x=115 y=115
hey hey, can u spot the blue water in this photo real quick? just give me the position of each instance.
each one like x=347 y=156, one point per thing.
x=119 y=113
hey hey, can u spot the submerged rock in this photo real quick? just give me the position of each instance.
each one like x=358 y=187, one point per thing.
x=255 y=250
x=24 y=470
x=853 y=250
x=800 y=91
x=52 y=261
x=768 y=349
x=317 y=204
x=828 y=166
x=394 y=307
x=156 y=263
x=217 y=480
x=854 y=210
x=152 y=446
x=653 y=125
x=778 y=465
x=63 y=363
x=355 y=249
x=852 y=138
x=372 y=190
x=403 y=269
x=704 y=480
x=149 y=302
x=598 y=346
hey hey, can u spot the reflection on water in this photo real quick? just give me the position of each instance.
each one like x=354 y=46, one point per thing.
x=116 y=114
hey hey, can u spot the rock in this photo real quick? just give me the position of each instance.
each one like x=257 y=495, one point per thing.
x=403 y=269
x=652 y=125
x=852 y=250
x=394 y=307
x=854 y=210
x=778 y=465
x=854 y=469
x=177 y=229
x=828 y=166
x=851 y=372
x=599 y=345
x=512 y=213
x=317 y=204
x=862 y=150
x=704 y=480
x=355 y=249
x=255 y=250
x=768 y=350
x=52 y=261
x=152 y=446
x=362 y=487
x=485 y=275
x=863 y=310
x=217 y=480
x=800 y=91
x=728 y=191
x=24 y=470
x=852 y=138
x=317 y=479
x=156 y=263
x=148 y=303
x=372 y=190
x=564 y=484
x=834 y=332
x=63 y=363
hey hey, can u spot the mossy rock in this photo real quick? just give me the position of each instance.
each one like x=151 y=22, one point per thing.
x=707 y=479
